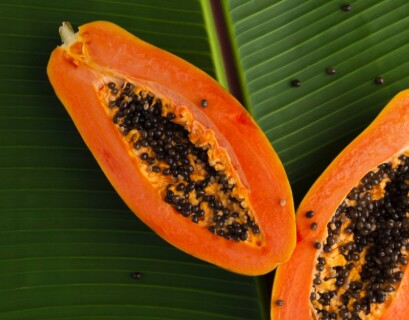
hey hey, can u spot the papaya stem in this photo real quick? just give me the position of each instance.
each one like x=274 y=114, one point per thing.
x=67 y=33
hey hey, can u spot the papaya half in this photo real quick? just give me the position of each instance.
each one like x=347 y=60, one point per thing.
x=350 y=260
x=182 y=153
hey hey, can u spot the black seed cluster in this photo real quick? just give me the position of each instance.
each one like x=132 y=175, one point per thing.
x=165 y=147
x=379 y=227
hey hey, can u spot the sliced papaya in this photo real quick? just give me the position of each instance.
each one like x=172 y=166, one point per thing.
x=350 y=260
x=182 y=153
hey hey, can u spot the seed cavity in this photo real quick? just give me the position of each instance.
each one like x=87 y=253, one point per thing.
x=183 y=161
x=364 y=254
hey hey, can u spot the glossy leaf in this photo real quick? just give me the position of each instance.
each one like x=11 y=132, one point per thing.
x=277 y=42
x=69 y=246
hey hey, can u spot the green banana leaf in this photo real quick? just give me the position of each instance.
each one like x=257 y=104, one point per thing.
x=69 y=247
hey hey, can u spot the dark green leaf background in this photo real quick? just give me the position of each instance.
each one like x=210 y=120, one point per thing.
x=68 y=244
x=278 y=41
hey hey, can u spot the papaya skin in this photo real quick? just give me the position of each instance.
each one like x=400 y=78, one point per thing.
x=386 y=137
x=101 y=49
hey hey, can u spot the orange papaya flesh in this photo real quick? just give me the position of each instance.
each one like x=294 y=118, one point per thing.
x=350 y=260
x=182 y=153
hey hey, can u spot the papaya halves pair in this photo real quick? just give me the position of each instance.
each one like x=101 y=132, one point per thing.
x=193 y=165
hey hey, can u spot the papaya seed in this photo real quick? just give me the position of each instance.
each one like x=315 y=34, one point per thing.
x=280 y=303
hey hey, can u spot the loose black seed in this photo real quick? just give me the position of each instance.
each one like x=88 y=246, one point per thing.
x=331 y=71
x=204 y=103
x=314 y=226
x=280 y=303
x=296 y=83
x=346 y=7
x=379 y=80
x=309 y=214
x=136 y=275
x=317 y=245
